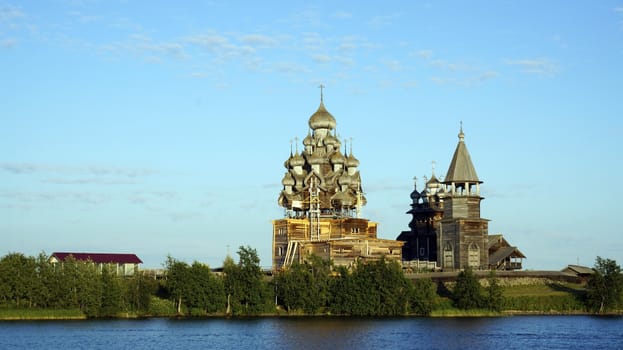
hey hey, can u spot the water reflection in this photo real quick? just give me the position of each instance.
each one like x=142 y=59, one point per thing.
x=539 y=332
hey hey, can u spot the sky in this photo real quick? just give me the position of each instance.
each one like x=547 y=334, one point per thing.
x=160 y=128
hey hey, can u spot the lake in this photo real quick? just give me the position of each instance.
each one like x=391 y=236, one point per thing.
x=517 y=332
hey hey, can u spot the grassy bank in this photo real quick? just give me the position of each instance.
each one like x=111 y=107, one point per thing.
x=552 y=298
x=535 y=299
x=41 y=314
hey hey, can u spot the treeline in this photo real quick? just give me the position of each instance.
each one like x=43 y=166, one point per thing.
x=373 y=288
x=376 y=288
x=35 y=283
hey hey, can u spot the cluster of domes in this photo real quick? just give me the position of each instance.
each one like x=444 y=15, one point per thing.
x=432 y=195
x=322 y=170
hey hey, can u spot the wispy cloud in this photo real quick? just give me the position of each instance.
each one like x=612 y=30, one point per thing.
x=96 y=170
x=467 y=80
x=321 y=58
x=393 y=65
x=88 y=181
x=7 y=43
x=457 y=73
x=144 y=46
x=383 y=20
x=21 y=199
x=342 y=15
x=259 y=40
x=9 y=13
x=290 y=67
x=538 y=66
x=425 y=54
x=83 y=18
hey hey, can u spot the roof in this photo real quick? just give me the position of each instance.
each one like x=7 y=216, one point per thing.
x=580 y=270
x=461 y=168
x=497 y=239
x=503 y=253
x=101 y=258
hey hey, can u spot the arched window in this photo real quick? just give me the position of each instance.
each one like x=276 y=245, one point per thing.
x=473 y=255
x=448 y=255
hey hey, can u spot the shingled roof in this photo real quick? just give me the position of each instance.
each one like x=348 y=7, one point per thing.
x=461 y=168
x=100 y=258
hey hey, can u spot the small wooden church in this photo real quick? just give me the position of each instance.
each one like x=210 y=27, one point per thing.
x=447 y=227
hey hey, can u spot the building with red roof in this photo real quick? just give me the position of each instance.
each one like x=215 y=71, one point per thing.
x=124 y=264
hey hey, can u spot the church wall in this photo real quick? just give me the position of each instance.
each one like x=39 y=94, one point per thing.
x=473 y=207
x=473 y=244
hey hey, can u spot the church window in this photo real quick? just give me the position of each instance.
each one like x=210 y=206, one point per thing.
x=473 y=257
x=280 y=251
x=448 y=255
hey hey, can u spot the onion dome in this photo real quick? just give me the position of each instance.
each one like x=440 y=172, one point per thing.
x=344 y=180
x=433 y=183
x=288 y=180
x=331 y=140
x=337 y=157
x=286 y=164
x=344 y=198
x=315 y=158
x=351 y=161
x=308 y=140
x=322 y=119
x=297 y=160
x=415 y=195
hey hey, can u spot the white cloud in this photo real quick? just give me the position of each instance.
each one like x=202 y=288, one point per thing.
x=290 y=67
x=383 y=21
x=83 y=18
x=89 y=181
x=96 y=170
x=321 y=58
x=8 y=43
x=9 y=13
x=259 y=40
x=425 y=54
x=539 y=66
x=451 y=66
x=393 y=65
x=342 y=15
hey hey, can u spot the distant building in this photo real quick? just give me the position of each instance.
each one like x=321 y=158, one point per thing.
x=503 y=256
x=322 y=197
x=446 y=225
x=124 y=264
x=582 y=272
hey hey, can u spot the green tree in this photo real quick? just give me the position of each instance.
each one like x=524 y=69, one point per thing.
x=178 y=281
x=45 y=274
x=247 y=293
x=111 y=292
x=304 y=286
x=604 y=290
x=87 y=284
x=494 y=298
x=205 y=290
x=374 y=288
x=467 y=291
x=139 y=289
x=341 y=297
x=424 y=296
x=17 y=277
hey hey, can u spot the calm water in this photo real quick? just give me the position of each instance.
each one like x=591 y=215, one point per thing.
x=519 y=332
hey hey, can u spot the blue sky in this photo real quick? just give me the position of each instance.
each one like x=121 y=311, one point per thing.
x=160 y=128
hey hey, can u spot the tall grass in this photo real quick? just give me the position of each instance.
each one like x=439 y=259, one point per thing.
x=41 y=314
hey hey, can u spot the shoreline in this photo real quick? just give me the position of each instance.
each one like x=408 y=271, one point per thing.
x=507 y=313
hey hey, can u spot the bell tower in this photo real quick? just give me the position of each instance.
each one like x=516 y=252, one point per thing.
x=463 y=234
